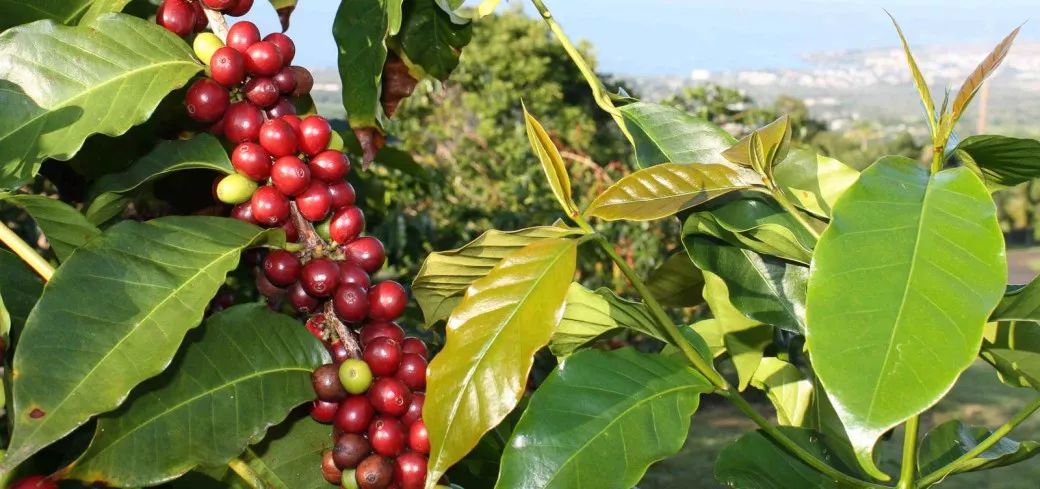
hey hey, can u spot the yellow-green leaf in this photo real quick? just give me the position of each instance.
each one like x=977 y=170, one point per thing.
x=589 y=315
x=982 y=71
x=787 y=388
x=922 y=85
x=552 y=163
x=745 y=339
x=763 y=148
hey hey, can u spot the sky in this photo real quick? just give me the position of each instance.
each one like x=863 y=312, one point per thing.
x=674 y=37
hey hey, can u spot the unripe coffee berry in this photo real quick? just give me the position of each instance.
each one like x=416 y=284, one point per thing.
x=355 y=376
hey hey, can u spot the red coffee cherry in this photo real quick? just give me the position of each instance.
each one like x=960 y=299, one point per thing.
x=266 y=288
x=177 y=16
x=200 y=17
x=414 y=412
x=282 y=267
x=290 y=175
x=319 y=277
x=285 y=80
x=304 y=81
x=242 y=35
x=412 y=371
x=34 y=482
x=241 y=8
x=242 y=122
x=219 y=4
x=374 y=472
x=262 y=92
x=301 y=300
x=286 y=46
x=278 y=138
x=419 y=437
x=410 y=470
x=329 y=470
x=339 y=352
x=263 y=59
x=381 y=329
x=283 y=108
x=350 y=273
x=350 y=303
x=293 y=121
x=383 y=356
x=315 y=133
x=367 y=252
x=314 y=326
x=350 y=449
x=387 y=436
x=327 y=386
x=207 y=101
x=390 y=396
x=251 y=160
x=243 y=212
x=314 y=202
x=323 y=412
x=329 y=165
x=342 y=195
x=270 y=207
x=292 y=235
x=346 y=224
x=387 y=300
x=354 y=415
x=227 y=67
x=414 y=345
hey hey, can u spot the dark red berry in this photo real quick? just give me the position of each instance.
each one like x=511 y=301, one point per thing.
x=329 y=165
x=263 y=59
x=418 y=437
x=346 y=224
x=387 y=300
x=350 y=449
x=207 y=101
x=34 y=482
x=266 y=288
x=285 y=46
x=387 y=436
x=251 y=160
x=282 y=267
x=292 y=234
x=301 y=300
x=241 y=8
x=367 y=252
x=350 y=273
x=412 y=371
x=219 y=4
x=374 y=472
x=327 y=386
x=414 y=345
x=200 y=17
x=314 y=326
x=270 y=207
x=177 y=16
x=383 y=356
x=304 y=81
x=355 y=414
x=381 y=329
x=410 y=470
x=283 y=108
x=339 y=352
x=290 y=175
x=243 y=212
x=320 y=277
x=314 y=202
x=262 y=92
x=342 y=195
x=285 y=80
x=227 y=67
x=390 y=396
x=242 y=122
x=278 y=138
x=324 y=412
x=350 y=303
x=241 y=36
x=329 y=470
x=217 y=128
x=414 y=412
x=315 y=133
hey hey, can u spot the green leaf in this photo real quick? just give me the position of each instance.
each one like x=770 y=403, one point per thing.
x=919 y=82
x=765 y=288
x=431 y=40
x=60 y=84
x=677 y=282
x=1020 y=303
x=814 y=182
x=756 y=461
x=17 y=12
x=445 y=275
x=756 y=224
x=239 y=374
x=287 y=457
x=902 y=282
x=21 y=288
x=787 y=388
x=201 y=152
x=952 y=439
x=763 y=148
x=491 y=339
x=65 y=228
x=663 y=190
x=113 y=315
x=1013 y=348
x=620 y=411
x=589 y=315
x=665 y=134
x=105 y=207
x=360 y=30
x=744 y=339
x=978 y=77
x=999 y=160
x=101 y=7
x=552 y=164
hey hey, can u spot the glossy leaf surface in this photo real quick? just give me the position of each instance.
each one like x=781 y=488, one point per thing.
x=952 y=439
x=65 y=228
x=589 y=315
x=552 y=164
x=665 y=134
x=1001 y=161
x=813 y=182
x=756 y=461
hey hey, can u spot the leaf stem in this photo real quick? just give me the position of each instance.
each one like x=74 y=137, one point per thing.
x=907 y=469
x=937 y=158
x=27 y=253
x=991 y=440
x=244 y=471
x=784 y=202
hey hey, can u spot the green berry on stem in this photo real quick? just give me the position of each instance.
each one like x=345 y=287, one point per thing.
x=205 y=45
x=235 y=189
x=355 y=375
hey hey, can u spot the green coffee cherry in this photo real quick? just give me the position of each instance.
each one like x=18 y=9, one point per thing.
x=235 y=189
x=205 y=45
x=355 y=375
x=349 y=479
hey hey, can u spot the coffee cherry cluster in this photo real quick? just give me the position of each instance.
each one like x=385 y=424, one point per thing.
x=375 y=406
x=185 y=17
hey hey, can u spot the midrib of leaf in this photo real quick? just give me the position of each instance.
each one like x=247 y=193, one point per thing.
x=116 y=347
x=614 y=421
x=206 y=393
x=777 y=292
x=487 y=344
x=647 y=200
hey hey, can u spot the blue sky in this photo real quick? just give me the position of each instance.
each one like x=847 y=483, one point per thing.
x=653 y=37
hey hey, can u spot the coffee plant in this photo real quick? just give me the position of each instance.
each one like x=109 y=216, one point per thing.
x=188 y=297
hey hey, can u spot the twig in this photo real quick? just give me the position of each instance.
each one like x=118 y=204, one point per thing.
x=217 y=23
x=348 y=339
x=244 y=471
x=27 y=253
x=310 y=237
